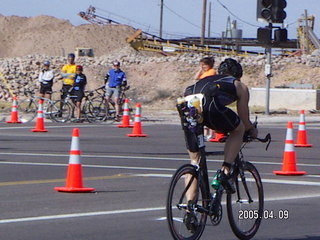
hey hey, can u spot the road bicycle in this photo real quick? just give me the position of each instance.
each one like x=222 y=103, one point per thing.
x=105 y=112
x=66 y=108
x=28 y=107
x=187 y=218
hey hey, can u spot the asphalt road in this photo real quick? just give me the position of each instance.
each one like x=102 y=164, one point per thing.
x=131 y=178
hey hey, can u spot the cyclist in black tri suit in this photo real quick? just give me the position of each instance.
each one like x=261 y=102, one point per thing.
x=80 y=82
x=218 y=92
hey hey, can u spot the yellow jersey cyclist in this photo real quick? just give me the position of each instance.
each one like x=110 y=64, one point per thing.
x=68 y=73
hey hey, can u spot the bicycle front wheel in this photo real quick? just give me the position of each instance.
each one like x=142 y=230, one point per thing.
x=96 y=111
x=27 y=110
x=60 y=111
x=245 y=207
x=186 y=218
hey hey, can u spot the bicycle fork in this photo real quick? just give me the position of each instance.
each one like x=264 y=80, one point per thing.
x=243 y=180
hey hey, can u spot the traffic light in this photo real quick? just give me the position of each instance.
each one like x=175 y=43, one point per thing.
x=281 y=35
x=264 y=35
x=278 y=13
x=271 y=11
x=266 y=11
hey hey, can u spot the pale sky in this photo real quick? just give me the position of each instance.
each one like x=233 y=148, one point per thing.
x=181 y=17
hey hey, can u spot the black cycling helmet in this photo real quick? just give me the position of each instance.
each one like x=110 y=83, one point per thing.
x=71 y=55
x=230 y=67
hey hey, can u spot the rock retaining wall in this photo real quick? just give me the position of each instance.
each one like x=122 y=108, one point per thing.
x=21 y=73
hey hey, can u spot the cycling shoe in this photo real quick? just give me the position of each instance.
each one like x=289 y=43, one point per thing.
x=191 y=221
x=227 y=182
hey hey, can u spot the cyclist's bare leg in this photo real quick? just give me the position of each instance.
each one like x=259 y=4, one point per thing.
x=191 y=193
x=117 y=106
x=78 y=110
x=47 y=95
x=107 y=100
x=232 y=146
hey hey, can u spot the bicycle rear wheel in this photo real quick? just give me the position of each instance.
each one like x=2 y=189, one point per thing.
x=97 y=111
x=60 y=111
x=27 y=110
x=111 y=113
x=245 y=207
x=94 y=111
x=185 y=218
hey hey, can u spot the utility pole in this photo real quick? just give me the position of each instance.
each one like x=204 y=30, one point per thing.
x=161 y=18
x=306 y=33
x=209 y=20
x=268 y=73
x=203 y=28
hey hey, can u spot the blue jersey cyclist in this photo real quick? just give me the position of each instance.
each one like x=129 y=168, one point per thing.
x=115 y=79
x=80 y=82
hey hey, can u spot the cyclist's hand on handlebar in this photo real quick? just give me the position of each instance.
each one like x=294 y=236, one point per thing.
x=250 y=134
x=253 y=132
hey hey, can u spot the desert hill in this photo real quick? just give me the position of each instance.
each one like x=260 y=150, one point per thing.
x=45 y=35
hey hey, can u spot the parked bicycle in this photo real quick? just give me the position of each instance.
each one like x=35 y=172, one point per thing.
x=106 y=112
x=187 y=219
x=28 y=107
x=66 y=108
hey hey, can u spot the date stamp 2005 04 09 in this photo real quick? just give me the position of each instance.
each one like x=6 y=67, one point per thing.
x=267 y=214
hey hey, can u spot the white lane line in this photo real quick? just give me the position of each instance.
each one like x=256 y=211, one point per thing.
x=78 y=215
x=271 y=199
x=276 y=181
x=141 y=157
x=89 y=166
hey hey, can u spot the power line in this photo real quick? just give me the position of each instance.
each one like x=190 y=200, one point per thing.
x=186 y=20
x=177 y=14
x=241 y=20
x=148 y=28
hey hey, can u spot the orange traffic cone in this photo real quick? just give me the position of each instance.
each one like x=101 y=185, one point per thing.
x=125 y=116
x=40 y=121
x=14 y=112
x=302 y=133
x=74 y=175
x=289 y=157
x=137 y=128
x=217 y=137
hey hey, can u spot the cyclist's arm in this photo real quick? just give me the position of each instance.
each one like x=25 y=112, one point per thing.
x=85 y=83
x=40 y=76
x=124 y=83
x=124 y=80
x=64 y=73
x=243 y=108
x=106 y=78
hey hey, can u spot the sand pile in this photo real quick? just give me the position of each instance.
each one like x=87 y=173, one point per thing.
x=45 y=35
